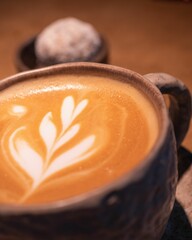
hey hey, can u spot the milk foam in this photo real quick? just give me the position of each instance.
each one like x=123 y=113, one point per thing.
x=32 y=162
x=84 y=133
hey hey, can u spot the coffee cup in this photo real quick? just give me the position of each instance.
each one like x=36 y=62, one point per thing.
x=89 y=151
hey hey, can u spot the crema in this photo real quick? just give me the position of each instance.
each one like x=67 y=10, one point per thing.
x=62 y=136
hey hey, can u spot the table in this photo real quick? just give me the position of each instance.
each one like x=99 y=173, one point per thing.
x=144 y=36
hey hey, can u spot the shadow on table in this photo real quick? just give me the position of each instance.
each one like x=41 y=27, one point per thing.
x=179 y=227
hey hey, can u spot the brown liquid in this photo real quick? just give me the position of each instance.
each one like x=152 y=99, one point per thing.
x=61 y=140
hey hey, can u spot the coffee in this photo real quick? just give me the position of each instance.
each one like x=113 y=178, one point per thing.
x=62 y=136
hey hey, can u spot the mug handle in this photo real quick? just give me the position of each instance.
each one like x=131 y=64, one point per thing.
x=180 y=102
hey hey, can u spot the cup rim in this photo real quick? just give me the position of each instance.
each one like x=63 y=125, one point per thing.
x=91 y=198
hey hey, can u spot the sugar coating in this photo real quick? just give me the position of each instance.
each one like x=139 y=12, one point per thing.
x=67 y=40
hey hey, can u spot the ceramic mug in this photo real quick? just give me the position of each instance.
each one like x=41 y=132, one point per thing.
x=134 y=207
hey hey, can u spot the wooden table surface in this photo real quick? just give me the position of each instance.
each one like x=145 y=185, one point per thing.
x=144 y=36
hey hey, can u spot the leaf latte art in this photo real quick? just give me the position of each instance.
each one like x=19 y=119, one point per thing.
x=61 y=140
x=33 y=163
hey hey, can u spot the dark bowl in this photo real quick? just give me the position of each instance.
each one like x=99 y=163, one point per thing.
x=26 y=58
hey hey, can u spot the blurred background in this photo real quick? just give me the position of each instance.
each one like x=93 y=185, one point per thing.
x=143 y=35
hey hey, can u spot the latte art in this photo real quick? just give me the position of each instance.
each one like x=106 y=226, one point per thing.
x=60 y=140
x=40 y=167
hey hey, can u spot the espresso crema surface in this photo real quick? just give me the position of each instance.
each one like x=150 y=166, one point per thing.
x=67 y=135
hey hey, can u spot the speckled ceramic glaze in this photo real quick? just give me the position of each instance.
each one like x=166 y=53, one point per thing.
x=136 y=206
